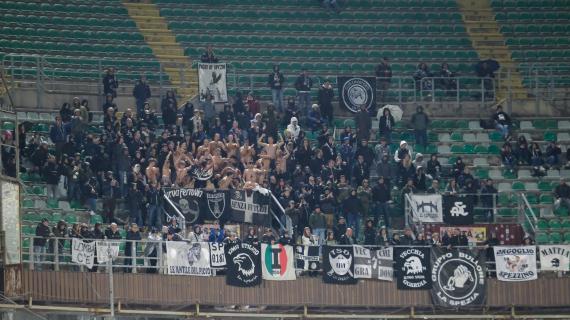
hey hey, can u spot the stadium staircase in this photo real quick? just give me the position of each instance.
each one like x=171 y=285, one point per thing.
x=487 y=39
x=165 y=47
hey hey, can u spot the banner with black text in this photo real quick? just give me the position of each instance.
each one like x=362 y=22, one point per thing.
x=307 y=258
x=83 y=252
x=516 y=264
x=338 y=265
x=212 y=81
x=373 y=263
x=555 y=257
x=188 y=258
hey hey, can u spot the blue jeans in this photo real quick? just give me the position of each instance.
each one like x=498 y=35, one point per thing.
x=382 y=209
x=354 y=220
x=321 y=233
x=277 y=97
x=503 y=129
x=304 y=102
x=136 y=216
x=39 y=257
x=140 y=108
x=73 y=191
x=154 y=214
x=92 y=204
x=421 y=137
x=553 y=160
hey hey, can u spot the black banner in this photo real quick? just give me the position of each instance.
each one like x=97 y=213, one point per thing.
x=457 y=211
x=412 y=268
x=250 y=206
x=357 y=91
x=458 y=278
x=199 y=205
x=338 y=265
x=307 y=258
x=243 y=263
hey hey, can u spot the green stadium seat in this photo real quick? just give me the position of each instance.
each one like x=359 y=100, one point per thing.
x=542 y=224
x=542 y=238
x=554 y=224
x=554 y=237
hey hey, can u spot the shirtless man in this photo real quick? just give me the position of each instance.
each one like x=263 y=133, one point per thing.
x=250 y=173
x=246 y=153
x=270 y=147
x=152 y=172
x=232 y=146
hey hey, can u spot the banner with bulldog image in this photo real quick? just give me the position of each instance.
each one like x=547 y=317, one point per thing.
x=458 y=278
x=198 y=205
x=188 y=258
x=338 y=265
x=243 y=263
x=516 y=264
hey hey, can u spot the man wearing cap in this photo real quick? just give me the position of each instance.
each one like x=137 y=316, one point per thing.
x=401 y=152
x=42 y=235
x=303 y=86
x=318 y=223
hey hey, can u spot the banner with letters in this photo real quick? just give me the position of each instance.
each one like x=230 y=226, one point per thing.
x=357 y=91
x=250 y=207
x=427 y=208
x=212 y=81
x=373 y=263
x=516 y=263
x=555 y=258
x=217 y=255
x=278 y=262
x=106 y=249
x=457 y=211
x=412 y=268
x=243 y=263
x=188 y=258
x=458 y=278
x=83 y=252
x=475 y=235
x=338 y=265
x=307 y=258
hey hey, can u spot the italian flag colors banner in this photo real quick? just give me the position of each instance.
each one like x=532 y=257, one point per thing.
x=278 y=262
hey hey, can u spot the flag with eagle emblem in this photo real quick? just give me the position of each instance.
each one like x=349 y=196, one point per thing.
x=243 y=263
x=212 y=81
x=278 y=262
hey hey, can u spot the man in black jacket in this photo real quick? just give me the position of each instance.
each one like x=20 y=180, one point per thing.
x=381 y=196
x=326 y=95
x=562 y=194
x=52 y=172
x=384 y=77
x=141 y=92
x=488 y=199
x=347 y=238
x=303 y=86
x=42 y=235
x=208 y=56
x=276 y=80
x=502 y=122
x=110 y=83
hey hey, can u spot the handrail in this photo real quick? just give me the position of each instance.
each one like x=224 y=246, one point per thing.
x=180 y=215
x=526 y=206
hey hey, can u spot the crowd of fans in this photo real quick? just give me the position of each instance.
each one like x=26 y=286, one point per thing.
x=324 y=186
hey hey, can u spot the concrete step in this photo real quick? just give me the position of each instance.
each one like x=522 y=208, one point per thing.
x=151 y=25
x=162 y=38
x=480 y=24
x=488 y=42
x=144 y=12
x=155 y=32
x=168 y=52
x=174 y=58
x=477 y=30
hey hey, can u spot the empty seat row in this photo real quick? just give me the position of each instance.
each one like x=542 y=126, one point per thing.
x=303 y=3
x=85 y=48
x=539 y=28
x=67 y=8
x=74 y=34
x=68 y=21
x=533 y=15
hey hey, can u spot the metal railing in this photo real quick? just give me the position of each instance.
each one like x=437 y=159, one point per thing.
x=149 y=256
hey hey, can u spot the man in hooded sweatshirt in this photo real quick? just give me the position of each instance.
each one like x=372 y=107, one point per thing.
x=294 y=128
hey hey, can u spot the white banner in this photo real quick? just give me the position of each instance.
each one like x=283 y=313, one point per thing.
x=217 y=255
x=427 y=208
x=555 y=258
x=373 y=264
x=212 y=81
x=83 y=252
x=188 y=258
x=278 y=262
x=516 y=263
x=106 y=249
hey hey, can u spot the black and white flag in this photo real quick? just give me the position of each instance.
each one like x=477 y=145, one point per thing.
x=555 y=258
x=373 y=263
x=458 y=278
x=516 y=263
x=412 y=268
x=457 y=211
x=427 y=208
x=212 y=81
x=243 y=262
x=338 y=265
x=307 y=258
x=188 y=258
x=250 y=206
x=357 y=91
x=198 y=205
x=217 y=255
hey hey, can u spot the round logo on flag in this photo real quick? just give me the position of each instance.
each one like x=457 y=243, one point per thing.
x=357 y=92
x=459 y=278
x=276 y=260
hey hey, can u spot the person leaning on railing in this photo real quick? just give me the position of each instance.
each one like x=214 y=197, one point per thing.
x=42 y=235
